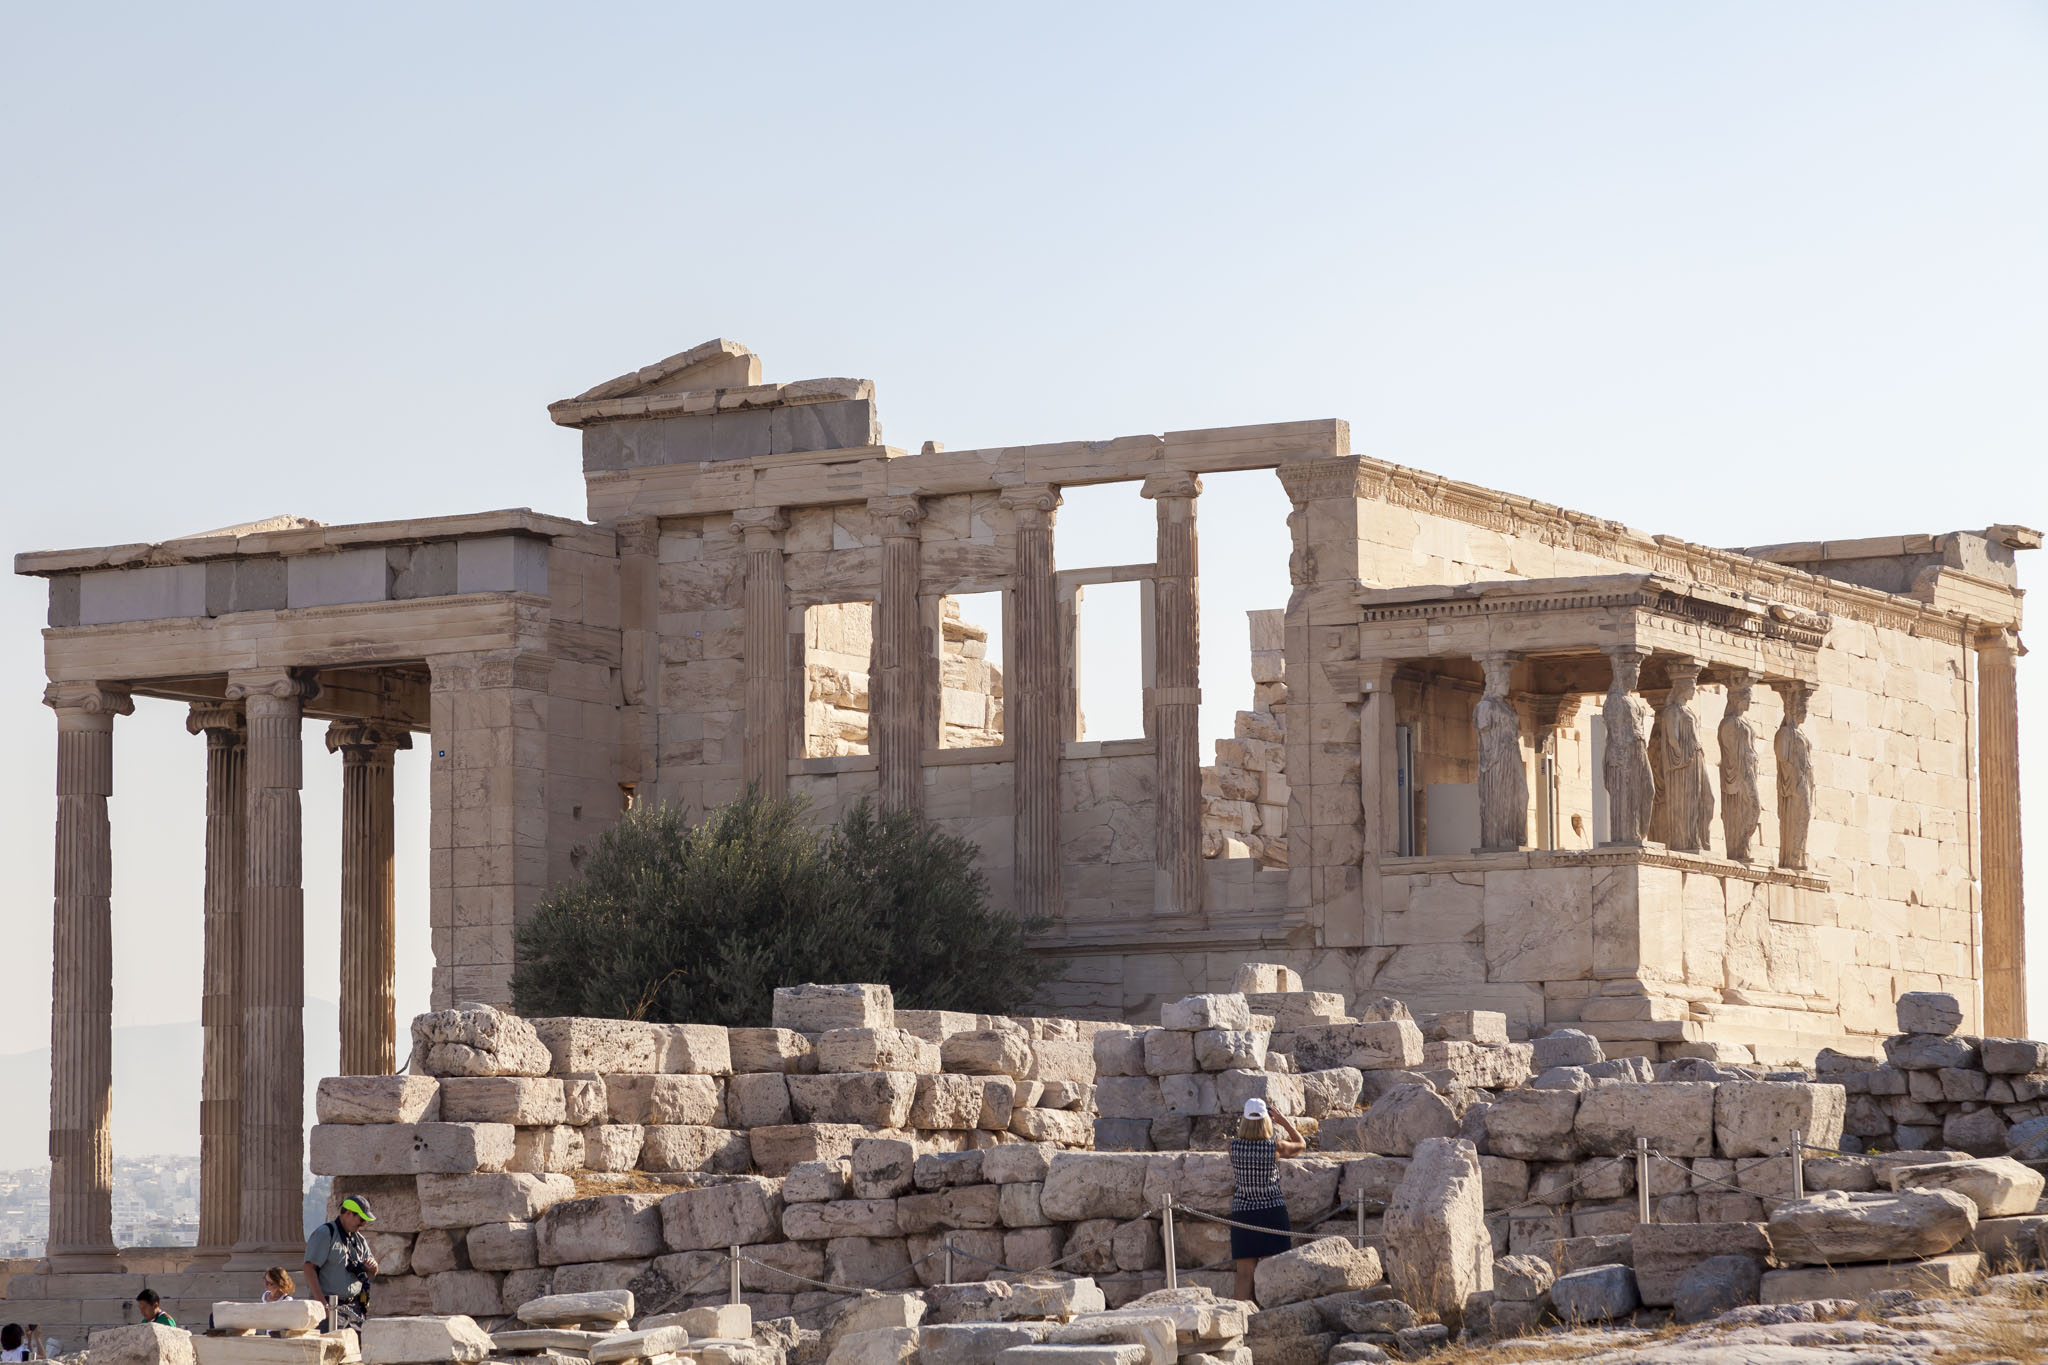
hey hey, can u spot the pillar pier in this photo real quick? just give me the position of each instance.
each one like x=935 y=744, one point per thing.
x=897 y=721
x=1033 y=706
x=767 y=650
x=1998 y=803
x=220 y=1010
x=1178 y=877
x=81 y=1233
x=369 y=908
x=273 y=966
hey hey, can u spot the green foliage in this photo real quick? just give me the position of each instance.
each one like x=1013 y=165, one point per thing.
x=698 y=923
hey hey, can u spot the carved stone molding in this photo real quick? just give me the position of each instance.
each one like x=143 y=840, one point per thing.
x=896 y=516
x=89 y=698
x=219 y=720
x=1033 y=504
x=1171 y=484
x=370 y=735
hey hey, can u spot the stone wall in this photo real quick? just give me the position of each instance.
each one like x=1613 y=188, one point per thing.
x=1244 y=793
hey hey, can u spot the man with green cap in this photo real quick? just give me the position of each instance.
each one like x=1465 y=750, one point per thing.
x=339 y=1264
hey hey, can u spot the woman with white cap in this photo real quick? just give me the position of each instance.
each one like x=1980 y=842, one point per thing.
x=1255 y=1189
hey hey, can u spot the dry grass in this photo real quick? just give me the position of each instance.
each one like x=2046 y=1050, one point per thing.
x=2010 y=1326
x=1551 y=1343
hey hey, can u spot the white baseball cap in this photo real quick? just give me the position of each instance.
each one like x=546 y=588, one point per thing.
x=1255 y=1108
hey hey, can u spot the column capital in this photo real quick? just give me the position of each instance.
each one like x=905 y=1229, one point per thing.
x=1793 y=691
x=1033 y=504
x=359 y=739
x=272 y=684
x=1999 y=640
x=639 y=535
x=760 y=527
x=1627 y=662
x=1175 y=483
x=220 y=721
x=89 y=699
x=897 y=515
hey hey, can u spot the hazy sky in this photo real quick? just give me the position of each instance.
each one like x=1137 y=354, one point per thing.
x=1738 y=272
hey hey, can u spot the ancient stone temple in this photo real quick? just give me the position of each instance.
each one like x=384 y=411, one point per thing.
x=1500 y=756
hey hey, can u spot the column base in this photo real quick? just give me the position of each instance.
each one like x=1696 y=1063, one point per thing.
x=94 y=1262
x=261 y=1258
x=210 y=1257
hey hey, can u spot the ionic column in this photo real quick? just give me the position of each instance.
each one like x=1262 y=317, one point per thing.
x=273 y=969
x=767 y=650
x=1998 y=805
x=1178 y=877
x=81 y=1235
x=369 y=907
x=896 y=722
x=1032 y=705
x=220 y=1008
x=1503 y=777
x=1794 y=752
x=1625 y=771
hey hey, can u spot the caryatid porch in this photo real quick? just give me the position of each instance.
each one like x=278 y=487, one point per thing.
x=1545 y=742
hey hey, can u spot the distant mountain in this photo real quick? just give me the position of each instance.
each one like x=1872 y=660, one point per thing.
x=156 y=1089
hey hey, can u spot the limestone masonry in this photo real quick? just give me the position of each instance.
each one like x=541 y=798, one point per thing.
x=1501 y=758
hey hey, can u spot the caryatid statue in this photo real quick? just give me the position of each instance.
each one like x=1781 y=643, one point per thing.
x=1625 y=767
x=1684 y=815
x=1795 y=774
x=1503 y=780
x=1741 y=802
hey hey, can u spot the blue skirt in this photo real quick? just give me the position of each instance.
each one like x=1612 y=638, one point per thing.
x=1246 y=1245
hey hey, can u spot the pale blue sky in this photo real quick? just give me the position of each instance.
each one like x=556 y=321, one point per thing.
x=1738 y=272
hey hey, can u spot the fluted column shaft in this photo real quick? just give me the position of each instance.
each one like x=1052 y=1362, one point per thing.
x=1998 y=804
x=767 y=650
x=897 y=724
x=81 y=1232
x=1032 y=707
x=369 y=906
x=1176 y=697
x=273 y=970
x=220 y=1007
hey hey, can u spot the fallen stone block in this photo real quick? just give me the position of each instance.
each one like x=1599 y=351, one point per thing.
x=975 y=1343
x=1474 y=1026
x=694 y=1049
x=820 y=1009
x=1999 y=1056
x=600 y=1228
x=947 y=1102
x=477 y=1040
x=875 y=1049
x=1439 y=1252
x=1834 y=1227
x=1082 y=1185
x=1374 y=1045
x=1153 y=1333
x=142 y=1343
x=1113 y=1354
x=1314 y=1269
x=1663 y=1252
x=502 y=1246
x=455 y=1340
x=665 y=1099
x=349 y=1149
x=2015 y=1241
x=1998 y=1186
x=766 y=1050
x=1929 y=1052
x=987 y=1052
x=1523 y=1279
x=884 y=1168
x=1016 y=1162
x=1597 y=1294
x=1226 y=1011
x=1400 y=1120
x=1533 y=1125
x=1716 y=1285
x=376 y=1099
x=1565 y=1047
x=737 y=1212
x=1678 y=1118
x=1924 y=1278
x=1758 y=1118
x=761 y=1100
x=642 y=1345
x=607 y=1306
x=285 y=1315
x=1063 y=1061
x=598 y=1046
x=693 y=1147
x=257 y=1350
x=1932 y=1012
x=879 y=1346
x=463 y=1201
x=612 y=1146
x=533 y=1341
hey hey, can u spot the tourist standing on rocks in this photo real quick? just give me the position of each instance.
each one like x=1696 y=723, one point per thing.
x=1255 y=1190
x=339 y=1264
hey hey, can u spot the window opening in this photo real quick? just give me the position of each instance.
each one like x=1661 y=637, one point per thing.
x=1111 y=642
x=970 y=647
x=839 y=639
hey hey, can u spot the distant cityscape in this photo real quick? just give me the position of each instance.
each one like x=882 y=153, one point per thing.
x=156 y=1204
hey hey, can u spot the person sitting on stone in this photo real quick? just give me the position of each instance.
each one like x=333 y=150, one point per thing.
x=339 y=1264
x=1255 y=1190
x=277 y=1284
x=153 y=1309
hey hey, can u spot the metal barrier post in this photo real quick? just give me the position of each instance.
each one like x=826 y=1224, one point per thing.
x=1361 y=1222
x=735 y=1274
x=1166 y=1238
x=1798 y=1165
x=1642 y=1180
x=948 y=1262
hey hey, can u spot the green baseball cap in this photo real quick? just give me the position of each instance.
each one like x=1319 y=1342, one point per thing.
x=359 y=1206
